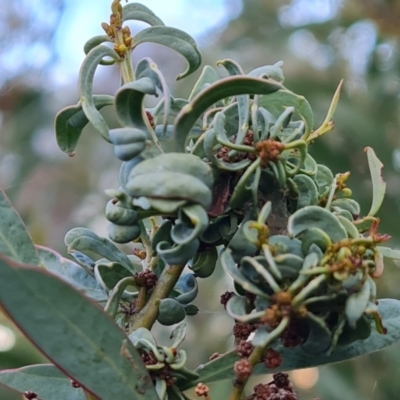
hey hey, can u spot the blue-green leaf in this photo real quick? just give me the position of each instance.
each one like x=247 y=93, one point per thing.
x=128 y=103
x=378 y=184
x=317 y=217
x=308 y=192
x=71 y=272
x=192 y=222
x=231 y=268
x=269 y=71
x=86 y=76
x=148 y=68
x=180 y=254
x=139 y=12
x=73 y=332
x=166 y=185
x=206 y=78
x=128 y=142
x=85 y=240
x=15 y=241
x=175 y=39
x=237 y=309
x=389 y=309
x=170 y=312
x=276 y=102
x=48 y=382
x=178 y=335
x=387 y=252
x=188 y=287
x=349 y=205
x=227 y=87
x=176 y=162
x=96 y=41
x=323 y=178
x=204 y=262
x=356 y=304
x=108 y=274
x=71 y=120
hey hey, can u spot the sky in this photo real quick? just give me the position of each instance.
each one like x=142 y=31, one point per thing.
x=81 y=21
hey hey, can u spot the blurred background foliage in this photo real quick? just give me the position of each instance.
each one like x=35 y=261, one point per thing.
x=320 y=42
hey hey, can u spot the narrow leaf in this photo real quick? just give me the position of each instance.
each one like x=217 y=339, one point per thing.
x=178 y=335
x=85 y=240
x=139 y=12
x=15 y=241
x=356 y=303
x=243 y=101
x=387 y=252
x=231 y=268
x=278 y=101
x=175 y=39
x=71 y=120
x=48 y=382
x=148 y=68
x=378 y=184
x=206 y=78
x=231 y=86
x=86 y=76
x=128 y=103
x=73 y=332
x=96 y=41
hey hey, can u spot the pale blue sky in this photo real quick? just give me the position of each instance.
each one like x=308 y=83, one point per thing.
x=81 y=20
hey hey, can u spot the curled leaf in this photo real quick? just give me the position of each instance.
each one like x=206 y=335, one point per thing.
x=231 y=86
x=307 y=191
x=269 y=71
x=175 y=39
x=139 y=12
x=204 y=262
x=176 y=162
x=192 y=222
x=86 y=75
x=276 y=102
x=178 y=255
x=148 y=68
x=170 y=312
x=317 y=217
x=96 y=41
x=188 y=287
x=128 y=142
x=85 y=240
x=166 y=185
x=128 y=103
x=71 y=120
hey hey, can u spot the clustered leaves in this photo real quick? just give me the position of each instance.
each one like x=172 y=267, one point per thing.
x=226 y=180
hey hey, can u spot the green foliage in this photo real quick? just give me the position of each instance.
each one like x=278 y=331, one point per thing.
x=240 y=192
x=45 y=379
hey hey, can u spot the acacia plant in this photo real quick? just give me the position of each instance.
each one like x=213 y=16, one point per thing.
x=221 y=180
